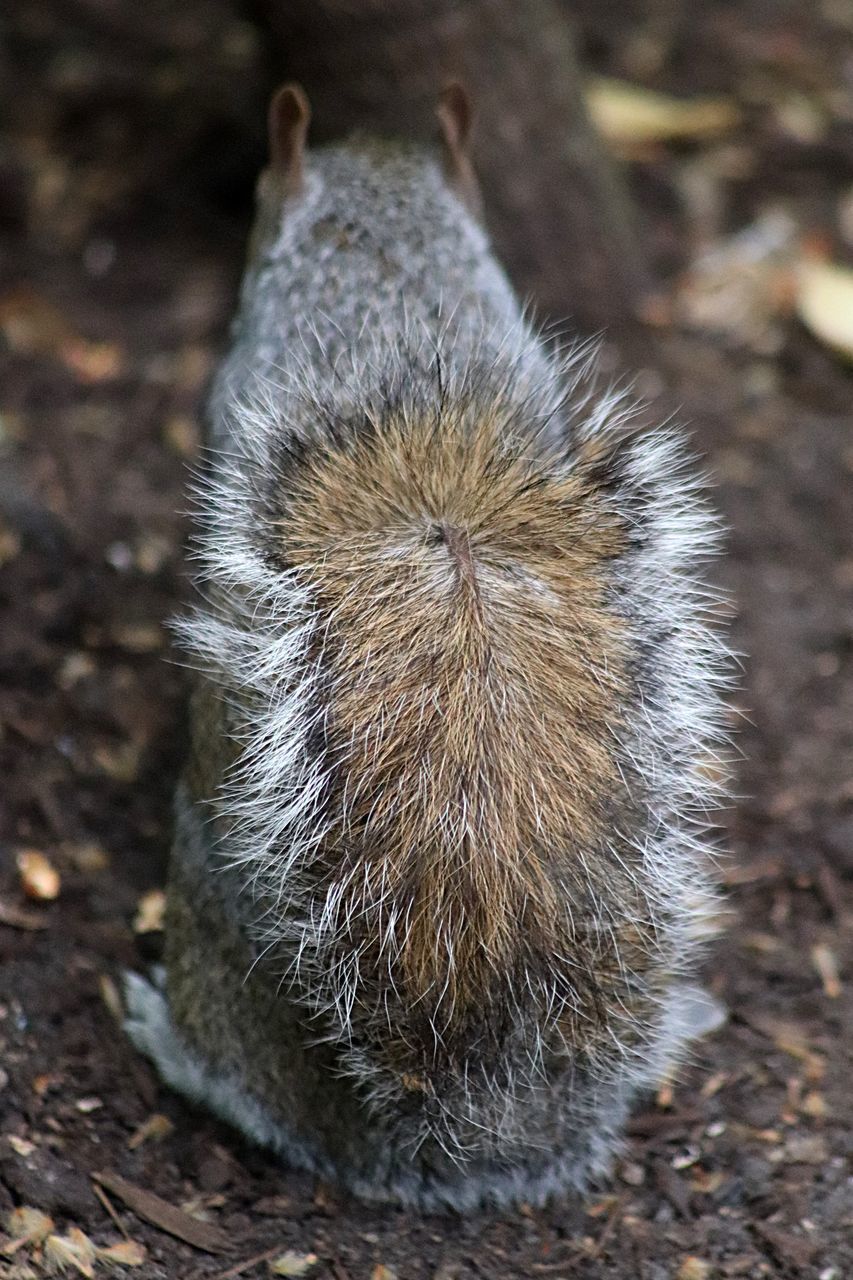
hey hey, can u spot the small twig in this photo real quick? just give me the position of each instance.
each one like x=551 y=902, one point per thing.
x=613 y=1218
x=549 y=1268
x=108 y=1205
x=240 y=1267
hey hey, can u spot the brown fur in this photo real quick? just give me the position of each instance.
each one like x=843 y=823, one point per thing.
x=474 y=674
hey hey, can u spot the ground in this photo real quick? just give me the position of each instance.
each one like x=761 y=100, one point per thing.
x=120 y=251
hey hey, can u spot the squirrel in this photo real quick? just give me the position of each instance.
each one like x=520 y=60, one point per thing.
x=441 y=872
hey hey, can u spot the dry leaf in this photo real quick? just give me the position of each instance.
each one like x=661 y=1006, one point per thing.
x=665 y=1096
x=127 y=1253
x=155 y=1128
x=137 y=637
x=814 y=1105
x=87 y=857
x=707 y=1183
x=93 y=361
x=693 y=1268
x=790 y=1038
x=32 y=325
x=824 y=960
x=763 y=943
x=26 y=1226
x=119 y=762
x=825 y=304
x=10 y=544
x=292 y=1264
x=111 y=997
x=162 y=1214
x=149 y=912
x=74 y=1249
x=714 y=1084
x=76 y=667
x=39 y=878
x=182 y=435
x=807 y=1149
x=42 y=1083
x=17 y=918
x=745 y=286
x=151 y=554
x=88 y=1105
x=631 y=116
x=22 y=1146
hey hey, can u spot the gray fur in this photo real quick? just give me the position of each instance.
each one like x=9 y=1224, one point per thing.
x=375 y=285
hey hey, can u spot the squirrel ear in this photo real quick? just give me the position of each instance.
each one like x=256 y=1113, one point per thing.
x=455 y=118
x=289 y=116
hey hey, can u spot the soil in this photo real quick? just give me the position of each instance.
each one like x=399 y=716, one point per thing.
x=124 y=184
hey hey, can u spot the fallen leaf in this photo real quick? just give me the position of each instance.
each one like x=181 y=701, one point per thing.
x=18 y=918
x=153 y=1209
x=127 y=1253
x=744 y=287
x=34 y=326
x=155 y=1128
x=707 y=1183
x=182 y=435
x=92 y=361
x=119 y=762
x=630 y=116
x=39 y=878
x=74 y=1249
x=74 y=668
x=789 y=1037
x=42 y=1083
x=807 y=1149
x=137 y=637
x=22 y=1146
x=292 y=1264
x=31 y=324
x=763 y=943
x=26 y=1226
x=814 y=1105
x=88 y=857
x=824 y=960
x=10 y=544
x=714 y=1084
x=111 y=997
x=693 y=1268
x=88 y=1105
x=665 y=1096
x=151 y=554
x=149 y=912
x=790 y=1250
x=824 y=301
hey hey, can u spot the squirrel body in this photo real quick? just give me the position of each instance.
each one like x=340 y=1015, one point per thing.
x=439 y=881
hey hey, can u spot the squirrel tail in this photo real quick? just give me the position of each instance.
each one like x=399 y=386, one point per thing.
x=462 y=676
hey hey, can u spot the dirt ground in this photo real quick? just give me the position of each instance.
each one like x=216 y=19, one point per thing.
x=124 y=186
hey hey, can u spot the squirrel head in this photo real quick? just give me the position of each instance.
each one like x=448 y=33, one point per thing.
x=286 y=178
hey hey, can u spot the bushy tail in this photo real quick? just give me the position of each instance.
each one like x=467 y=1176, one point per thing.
x=449 y=800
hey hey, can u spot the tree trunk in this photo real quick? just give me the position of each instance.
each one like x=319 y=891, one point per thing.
x=555 y=205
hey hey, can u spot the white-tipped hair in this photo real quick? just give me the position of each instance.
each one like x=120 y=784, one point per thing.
x=260 y=635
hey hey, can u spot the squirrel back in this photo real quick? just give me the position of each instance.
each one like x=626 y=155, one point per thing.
x=452 y=621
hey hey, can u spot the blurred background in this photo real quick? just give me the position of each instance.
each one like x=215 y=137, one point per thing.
x=676 y=175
